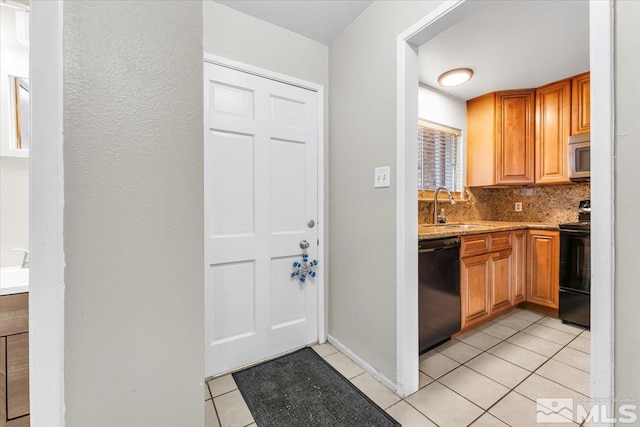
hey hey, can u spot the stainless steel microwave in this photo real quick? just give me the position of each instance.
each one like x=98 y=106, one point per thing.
x=580 y=157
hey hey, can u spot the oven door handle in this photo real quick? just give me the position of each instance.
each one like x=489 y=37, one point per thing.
x=583 y=232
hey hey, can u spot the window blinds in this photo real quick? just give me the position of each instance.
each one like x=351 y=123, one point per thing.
x=439 y=157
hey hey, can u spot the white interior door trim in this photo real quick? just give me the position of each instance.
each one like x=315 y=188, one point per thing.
x=319 y=89
x=262 y=72
x=46 y=210
x=407 y=203
x=602 y=191
x=601 y=38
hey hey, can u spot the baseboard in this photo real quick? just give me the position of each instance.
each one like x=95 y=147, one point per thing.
x=553 y=312
x=364 y=365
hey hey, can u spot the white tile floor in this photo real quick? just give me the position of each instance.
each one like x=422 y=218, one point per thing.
x=490 y=376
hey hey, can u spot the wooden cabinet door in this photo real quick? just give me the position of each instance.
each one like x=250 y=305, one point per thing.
x=17 y=360
x=581 y=104
x=553 y=121
x=500 y=280
x=514 y=137
x=474 y=288
x=481 y=135
x=543 y=264
x=518 y=267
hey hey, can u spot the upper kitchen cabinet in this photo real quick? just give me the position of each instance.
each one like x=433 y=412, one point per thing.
x=521 y=137
x=581 y=104
x=553 y=121
x=500 y=139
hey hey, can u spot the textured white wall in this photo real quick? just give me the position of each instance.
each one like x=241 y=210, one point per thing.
x=627 y=187
x=14 y=172
x=133 y=214
x=362 y=72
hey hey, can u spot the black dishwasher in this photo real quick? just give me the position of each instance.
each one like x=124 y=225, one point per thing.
x=438 y=290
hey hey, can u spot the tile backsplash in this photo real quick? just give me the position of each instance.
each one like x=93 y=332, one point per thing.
x=551 y=204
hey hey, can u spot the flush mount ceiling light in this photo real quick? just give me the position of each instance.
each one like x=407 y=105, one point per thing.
x=455 y=77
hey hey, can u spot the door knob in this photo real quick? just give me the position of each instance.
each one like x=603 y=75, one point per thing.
x=304 y=244
x=311 y=223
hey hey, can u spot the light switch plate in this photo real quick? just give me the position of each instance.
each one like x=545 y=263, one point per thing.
x=382 y=177
x=518 y=206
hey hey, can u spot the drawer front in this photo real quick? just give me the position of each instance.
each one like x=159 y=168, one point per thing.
x=475 y=244
x=500 y=241
x=14 y=314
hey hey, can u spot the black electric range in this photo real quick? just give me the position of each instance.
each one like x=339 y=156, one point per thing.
x=575 y=268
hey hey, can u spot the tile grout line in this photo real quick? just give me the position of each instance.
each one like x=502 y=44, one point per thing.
x=566 y=364
x=486 y=411
x=563 y=385
x=225 y=393
x=482 y=351
x=468 y=367
x=510 y=390
x=215 y=410
x=527 y=377
x=419 y=411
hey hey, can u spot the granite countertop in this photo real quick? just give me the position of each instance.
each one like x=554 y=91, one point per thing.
x=430 y=231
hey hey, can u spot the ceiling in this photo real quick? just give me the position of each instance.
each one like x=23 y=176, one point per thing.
x=319 y=20
x=510 y=45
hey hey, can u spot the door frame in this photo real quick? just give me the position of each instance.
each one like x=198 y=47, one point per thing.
x=319 y=89
x=601 y=30
x=46 y=211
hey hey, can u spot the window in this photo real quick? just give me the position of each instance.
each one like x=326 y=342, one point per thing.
x=439 y=157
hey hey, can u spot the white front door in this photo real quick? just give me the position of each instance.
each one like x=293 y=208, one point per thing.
x=261 y=196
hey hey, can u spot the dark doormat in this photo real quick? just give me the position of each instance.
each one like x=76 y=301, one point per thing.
x=302 y=389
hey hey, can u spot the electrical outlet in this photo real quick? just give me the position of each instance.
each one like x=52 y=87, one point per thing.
x=382 y=177
x=518 y=206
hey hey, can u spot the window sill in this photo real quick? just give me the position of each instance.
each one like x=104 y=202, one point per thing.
x=427 y=196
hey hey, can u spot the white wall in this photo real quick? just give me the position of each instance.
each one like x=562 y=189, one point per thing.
x=362 y=72
x=627 y=188
x=133 y=213
x=441 y=108
x=14 y=171
x=14 y=209
x=241 y=37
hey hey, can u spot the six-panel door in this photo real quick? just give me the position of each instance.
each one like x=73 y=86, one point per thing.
x=260 y=196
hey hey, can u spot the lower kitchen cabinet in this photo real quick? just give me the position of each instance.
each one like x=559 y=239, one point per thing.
x=474 y=289
x=500 y=280
x=486 y=276
x=519 y=267
x=503 y=269
x=543 y=265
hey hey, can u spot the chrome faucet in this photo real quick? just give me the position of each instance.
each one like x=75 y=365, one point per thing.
x=435 y=202
x=25 y=257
